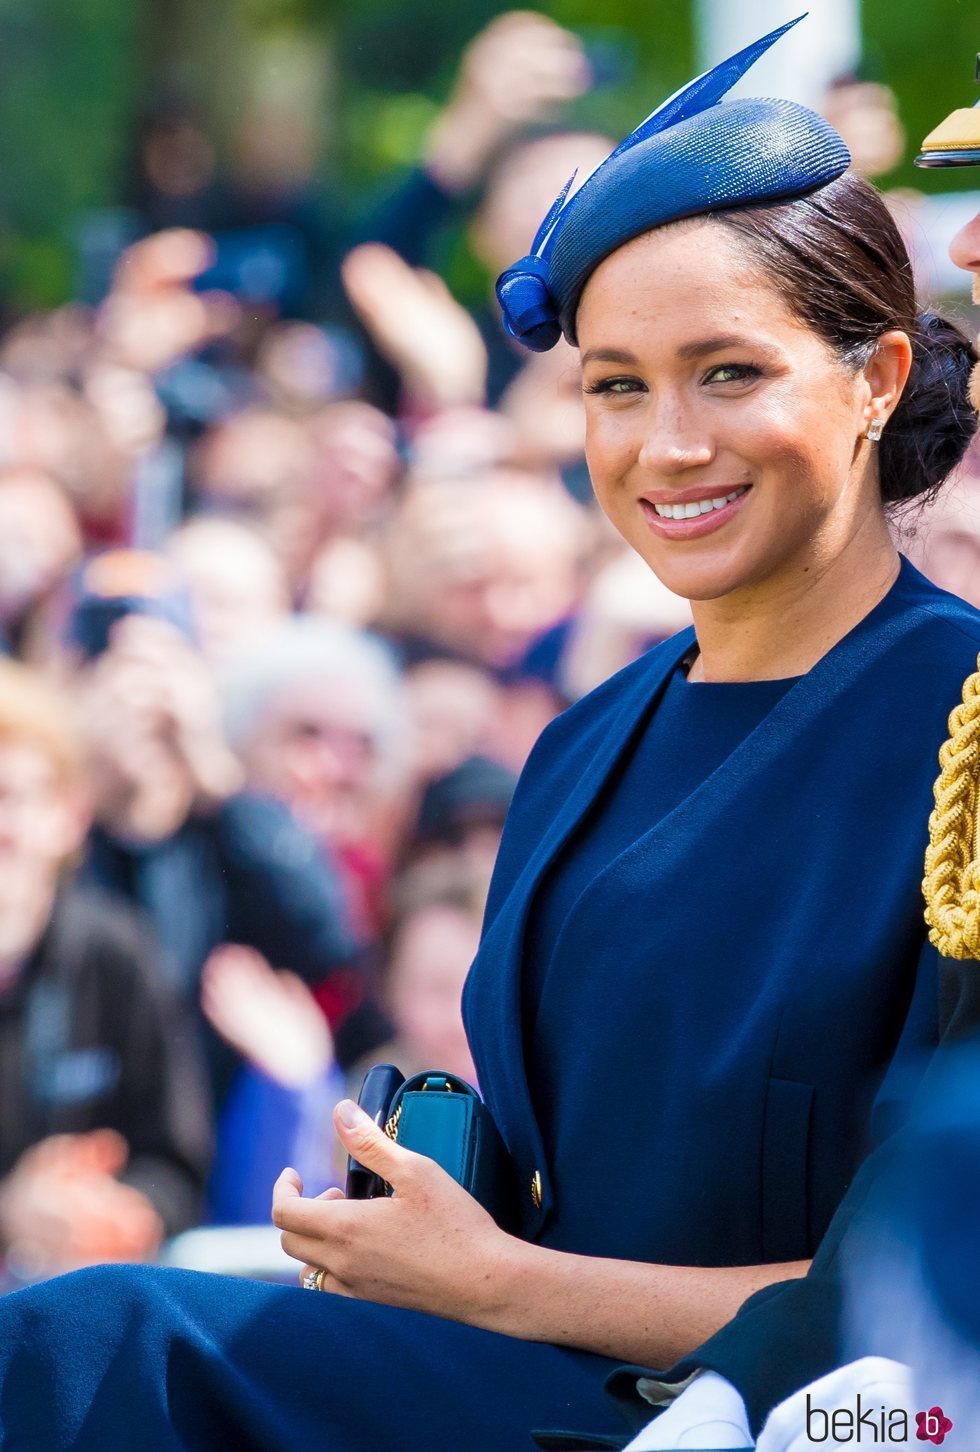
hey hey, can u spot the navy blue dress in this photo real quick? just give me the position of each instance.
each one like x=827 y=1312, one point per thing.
x=702 y=977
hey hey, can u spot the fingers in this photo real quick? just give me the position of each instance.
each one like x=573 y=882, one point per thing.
x=370 y=1146
x=106 y=1152
x=326 y=1282
x=306 y=1248
x=287 y=1189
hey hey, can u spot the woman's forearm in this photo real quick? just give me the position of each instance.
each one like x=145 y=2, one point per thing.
x=650 y=1314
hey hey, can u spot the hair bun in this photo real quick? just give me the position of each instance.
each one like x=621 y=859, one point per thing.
x=529 y=310
x=931 y=428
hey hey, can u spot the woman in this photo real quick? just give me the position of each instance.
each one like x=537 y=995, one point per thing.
x=709 y=878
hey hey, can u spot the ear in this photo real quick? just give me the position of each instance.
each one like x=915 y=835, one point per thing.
x=886 y=374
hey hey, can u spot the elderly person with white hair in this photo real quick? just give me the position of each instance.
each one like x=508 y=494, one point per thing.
x=315 y=711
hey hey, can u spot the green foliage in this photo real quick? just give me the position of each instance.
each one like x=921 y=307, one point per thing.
x=66 y=78
x=72 y=73
x=927 y=54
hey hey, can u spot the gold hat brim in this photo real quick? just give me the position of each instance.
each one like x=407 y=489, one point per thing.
x=954 y=142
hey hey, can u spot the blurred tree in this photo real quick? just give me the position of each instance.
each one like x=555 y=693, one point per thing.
x=74 y=75
x=67 y=80
x=927 y=54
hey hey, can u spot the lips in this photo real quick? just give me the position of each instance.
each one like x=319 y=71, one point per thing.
x=693 y=507
x=692 y=516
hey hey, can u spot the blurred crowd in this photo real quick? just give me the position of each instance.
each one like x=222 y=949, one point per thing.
x=298 y=555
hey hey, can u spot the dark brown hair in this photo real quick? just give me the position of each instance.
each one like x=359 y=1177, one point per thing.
x=839 y=262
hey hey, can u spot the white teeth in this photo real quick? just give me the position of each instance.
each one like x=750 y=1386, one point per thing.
x=698 y=506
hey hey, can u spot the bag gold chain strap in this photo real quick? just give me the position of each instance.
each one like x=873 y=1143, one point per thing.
x=952 y=882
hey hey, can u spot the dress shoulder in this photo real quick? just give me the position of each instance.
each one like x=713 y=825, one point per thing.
x=953 y=620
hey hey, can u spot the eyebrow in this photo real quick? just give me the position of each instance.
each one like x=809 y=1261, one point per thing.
x=607 y=355
x=714 y=345
x=699 y=349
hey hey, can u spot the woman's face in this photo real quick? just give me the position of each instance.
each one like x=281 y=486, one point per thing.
x=704 y=392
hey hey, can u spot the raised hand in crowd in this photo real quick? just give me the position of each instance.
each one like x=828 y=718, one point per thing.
x=417 y=324
x=270 y=1017
x=153 y=316
x=62 y=1206
x=150 y=713
x=517 y=72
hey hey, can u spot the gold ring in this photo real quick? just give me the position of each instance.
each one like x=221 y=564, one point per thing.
x=313 y=1280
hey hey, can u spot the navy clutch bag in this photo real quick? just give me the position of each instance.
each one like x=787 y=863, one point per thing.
x=443 y=1117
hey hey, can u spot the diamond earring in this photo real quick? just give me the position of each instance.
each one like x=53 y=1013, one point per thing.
x=875 y=429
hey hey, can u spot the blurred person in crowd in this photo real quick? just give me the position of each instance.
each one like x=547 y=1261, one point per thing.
x=208 y=861
x=300 y=366
x=174 y=179
x=516 y=75
x=452 y=707
x=442 y=356
x=157 y=311
x=257 y=465
x=944 y=541
x=347 y=582
x=85 y=406
x=432 y=940
x=949 y=544
x=624 y=611
x=315 y=711
x=236 y=584
x=414 y=321
x=330 y=536
x=543 y=406
x=260 y=208
x=49 y=347
x=461 y=816
x=249 y=461
x=459 y=442
x=477 y=568
x=278 y=1106
x=40 y=543
x=60 y=431
x=104 y=1116
x=355 y=469
x=865 y=113
x=442 y=360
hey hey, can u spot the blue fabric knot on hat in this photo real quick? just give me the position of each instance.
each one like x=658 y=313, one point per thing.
x=690 y=157
x=530 y=311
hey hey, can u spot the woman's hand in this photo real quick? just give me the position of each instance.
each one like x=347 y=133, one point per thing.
x=430 y=1247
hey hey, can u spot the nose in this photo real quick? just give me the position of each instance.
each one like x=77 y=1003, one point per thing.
x=964 y=250
x=674 y=440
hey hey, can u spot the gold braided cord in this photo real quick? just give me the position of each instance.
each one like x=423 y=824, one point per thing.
x=952 y=882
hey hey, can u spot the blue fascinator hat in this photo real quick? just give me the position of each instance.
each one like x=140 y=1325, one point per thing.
x=691 y=156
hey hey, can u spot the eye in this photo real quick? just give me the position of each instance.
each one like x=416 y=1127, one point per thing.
x=616 y=386
x=733 y=373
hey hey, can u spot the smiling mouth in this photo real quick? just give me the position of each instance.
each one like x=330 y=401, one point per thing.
x=695 y=507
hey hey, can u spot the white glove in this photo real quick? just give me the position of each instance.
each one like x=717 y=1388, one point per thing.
x=806 y=1418
x=709 y=1413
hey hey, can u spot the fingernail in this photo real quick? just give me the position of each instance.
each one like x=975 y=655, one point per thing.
x=350 y=1115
